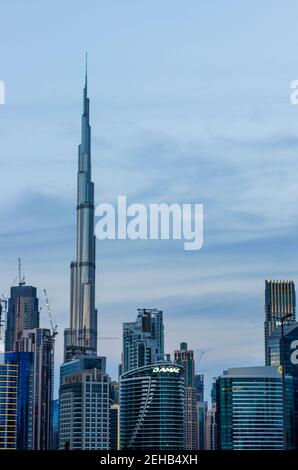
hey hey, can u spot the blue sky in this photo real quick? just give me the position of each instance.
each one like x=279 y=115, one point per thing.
x=190 y=102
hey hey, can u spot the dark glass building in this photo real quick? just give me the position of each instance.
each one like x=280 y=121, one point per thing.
x=22 y=314
x=8 y=402
x=250 y=409
x=152 y=408
x=275 y=348
x=280 y=300
x=25 y=365
x=115 y=426
x=38 y=343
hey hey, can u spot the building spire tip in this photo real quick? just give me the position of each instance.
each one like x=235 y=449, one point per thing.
x=86 y=67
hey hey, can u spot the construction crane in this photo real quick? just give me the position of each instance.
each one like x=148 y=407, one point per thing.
x=54 y=328
x=107 y=337
x=21 y=278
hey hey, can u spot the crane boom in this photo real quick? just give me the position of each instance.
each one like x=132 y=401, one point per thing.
x=54 y=328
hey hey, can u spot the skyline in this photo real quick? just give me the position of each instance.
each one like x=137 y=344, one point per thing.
x=146 y=126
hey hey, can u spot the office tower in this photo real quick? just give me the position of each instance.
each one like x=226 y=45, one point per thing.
x=115 y=426
x=143 y=340
x=280 y=300
x=85 y=404
x=289 y=345
x=114 y=392
x=23 y=313
x=38 y=342
x=211 y=430
x=152 y=408
x=25 y=365
x=55 y=425
x=81 y=337
x=202 y=408
x=8 y=402
x=199 y=381
x=249 y=414
x=185 y=358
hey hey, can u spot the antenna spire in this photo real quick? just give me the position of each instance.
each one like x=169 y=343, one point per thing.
x=86 y=69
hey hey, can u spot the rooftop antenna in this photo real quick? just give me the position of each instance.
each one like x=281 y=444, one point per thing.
x=21 y=278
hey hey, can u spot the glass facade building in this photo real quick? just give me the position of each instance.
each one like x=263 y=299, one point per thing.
x=275 y=348
x=84 y=398
x=250 y=409
x=152 y=408
x=23 y=313
x=143 y=340
x=8 y=402
x=280 y=300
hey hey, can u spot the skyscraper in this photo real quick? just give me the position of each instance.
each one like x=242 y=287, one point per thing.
x=81 y=337
x=152 y=408
x=8 y=402
x=185 y=358
x=289 y=345
x=84 y=393
x=280 y=300
x=23 y=313
x=143 y=340
x=38 y=342
x=249 y=415
x=85 y=405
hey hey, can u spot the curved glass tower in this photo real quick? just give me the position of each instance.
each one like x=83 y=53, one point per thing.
x=81 y=337
x=152 y=408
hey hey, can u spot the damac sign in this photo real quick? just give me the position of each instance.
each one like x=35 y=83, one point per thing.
x=173 y=370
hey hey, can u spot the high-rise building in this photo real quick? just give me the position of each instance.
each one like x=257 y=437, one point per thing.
x=152 y=408
x=8 y=402
x=22 y=314
x=280 y=300
x=38 y=343
x=249 y=413
x=84 y=394
x=143 y=340
x=55 y=425
x=81 y=337
x=85 y=405
x=202 y=408
x=115 y=426
x=290 y=347
x=199 y=381
x=185 y=358
x=25 y=366
x=211 y=429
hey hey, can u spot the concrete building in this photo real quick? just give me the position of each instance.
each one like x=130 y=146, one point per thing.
x=185 y=358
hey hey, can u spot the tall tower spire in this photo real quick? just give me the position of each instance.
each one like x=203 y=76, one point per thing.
x=81 y=338
x=86 y=70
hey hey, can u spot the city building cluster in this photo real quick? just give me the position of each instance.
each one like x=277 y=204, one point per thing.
x=158 y=401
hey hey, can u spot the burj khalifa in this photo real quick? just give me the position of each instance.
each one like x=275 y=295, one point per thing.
x=81 y=337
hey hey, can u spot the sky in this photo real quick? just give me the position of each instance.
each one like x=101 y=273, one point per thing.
x=190 y=103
